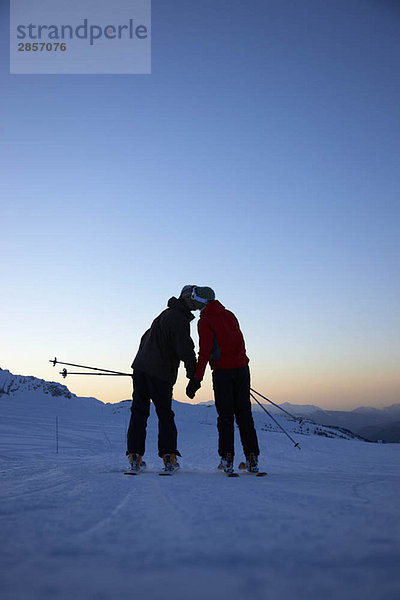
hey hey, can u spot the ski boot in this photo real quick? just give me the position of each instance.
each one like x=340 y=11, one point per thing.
x=252 y=463
x=226 y=463
x=170 y=463
x=251 y=466
x=136 y=463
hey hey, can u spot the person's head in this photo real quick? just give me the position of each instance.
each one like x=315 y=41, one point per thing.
x=197 y=297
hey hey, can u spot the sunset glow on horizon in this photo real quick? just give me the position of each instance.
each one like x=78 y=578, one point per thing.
x=259 y=158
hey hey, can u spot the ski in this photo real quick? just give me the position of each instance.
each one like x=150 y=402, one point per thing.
x=259 y=474
x=134 y=471
x=243 y=467
x=168 y=472
x=229 y=473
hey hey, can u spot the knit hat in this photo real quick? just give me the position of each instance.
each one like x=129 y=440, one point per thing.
x=186 y=291
x=203 y=294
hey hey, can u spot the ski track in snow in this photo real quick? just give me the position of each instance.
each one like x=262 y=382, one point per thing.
x=323 y=524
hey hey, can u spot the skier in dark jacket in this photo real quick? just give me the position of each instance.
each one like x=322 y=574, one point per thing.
x=221 y=344
x=155 y=370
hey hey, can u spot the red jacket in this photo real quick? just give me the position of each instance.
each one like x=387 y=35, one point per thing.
x=220 y=340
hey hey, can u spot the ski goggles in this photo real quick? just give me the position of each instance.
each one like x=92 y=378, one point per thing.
x=194 y=296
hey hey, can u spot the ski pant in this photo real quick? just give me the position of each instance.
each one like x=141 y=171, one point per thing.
x=232 y=401
x=146 y=387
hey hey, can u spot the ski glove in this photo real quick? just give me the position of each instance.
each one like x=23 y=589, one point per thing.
x=192 y=387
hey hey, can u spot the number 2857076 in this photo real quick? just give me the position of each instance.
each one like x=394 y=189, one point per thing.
x=42 y=47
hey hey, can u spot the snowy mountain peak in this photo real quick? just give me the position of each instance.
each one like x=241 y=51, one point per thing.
x=10 y=384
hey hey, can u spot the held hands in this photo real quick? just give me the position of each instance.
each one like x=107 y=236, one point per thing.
x=192 y=387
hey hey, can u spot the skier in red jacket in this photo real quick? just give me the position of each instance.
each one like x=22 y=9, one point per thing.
x=221 y=344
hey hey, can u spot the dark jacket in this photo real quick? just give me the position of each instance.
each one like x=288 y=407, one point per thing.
x=220 y=340
x=166 y=343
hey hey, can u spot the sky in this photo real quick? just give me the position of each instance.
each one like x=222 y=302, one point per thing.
x=260 y=157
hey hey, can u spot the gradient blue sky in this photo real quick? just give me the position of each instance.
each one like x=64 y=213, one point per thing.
x=260 y=157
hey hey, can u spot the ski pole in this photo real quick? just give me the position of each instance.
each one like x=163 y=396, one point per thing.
x=277 y=406
x=296 y=444
x=58 y=362
x=64 y=373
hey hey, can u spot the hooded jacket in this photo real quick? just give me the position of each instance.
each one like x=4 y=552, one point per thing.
x=221 y=341
x=167 y=343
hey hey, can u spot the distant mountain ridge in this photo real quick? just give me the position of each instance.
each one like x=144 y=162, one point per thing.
x=10 y=384
x=49 y=396
x=367 y=421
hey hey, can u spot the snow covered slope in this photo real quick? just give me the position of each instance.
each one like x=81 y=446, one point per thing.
x=324 y=524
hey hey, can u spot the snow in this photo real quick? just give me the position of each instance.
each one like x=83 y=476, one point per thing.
x=323 y=524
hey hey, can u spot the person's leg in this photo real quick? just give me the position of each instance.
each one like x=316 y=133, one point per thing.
x=244 y=418
x=224 y=404
x=140 y=411
x=161 y=394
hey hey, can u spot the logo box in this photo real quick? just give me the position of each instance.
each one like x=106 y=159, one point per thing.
x=80 y=37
